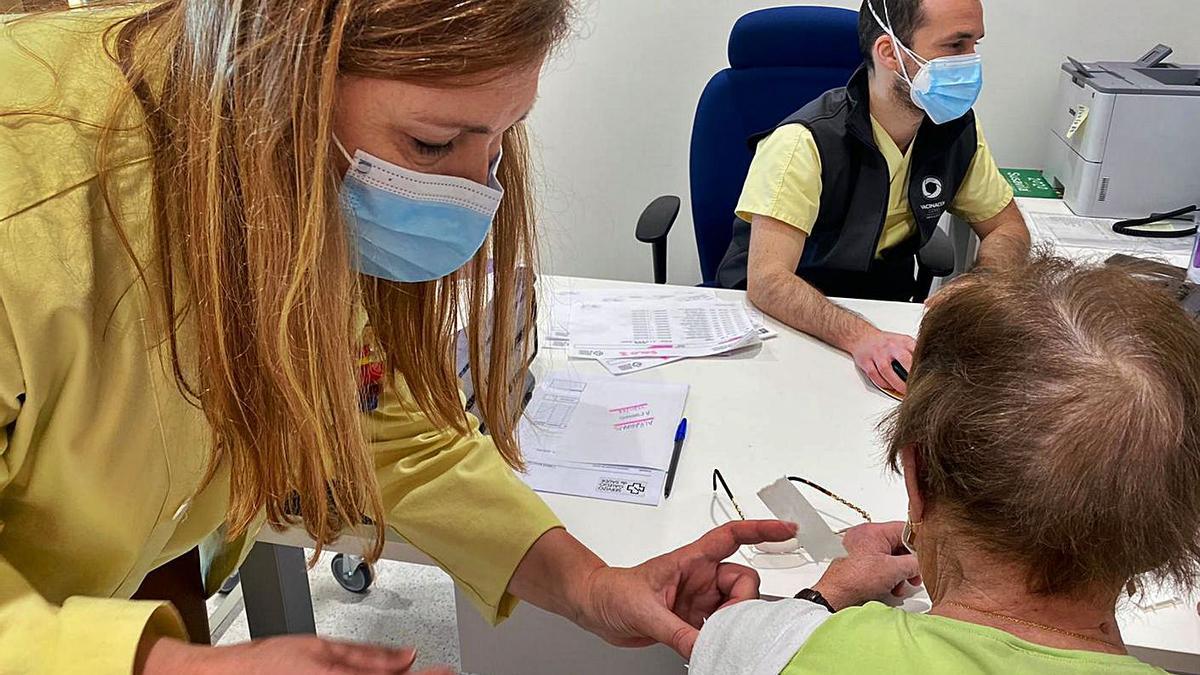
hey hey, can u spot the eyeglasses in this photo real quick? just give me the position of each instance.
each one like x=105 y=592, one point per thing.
x=780 y=555
x=828 y=493
x=719 y=479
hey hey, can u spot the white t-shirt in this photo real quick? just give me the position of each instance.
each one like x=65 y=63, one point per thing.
x=755 y=637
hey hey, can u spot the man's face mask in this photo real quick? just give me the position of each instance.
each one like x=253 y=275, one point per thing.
x=945 y=88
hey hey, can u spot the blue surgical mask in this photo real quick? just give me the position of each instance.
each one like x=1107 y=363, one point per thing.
x=413 y=227
x=945 y=88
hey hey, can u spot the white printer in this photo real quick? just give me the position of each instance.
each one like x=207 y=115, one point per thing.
x=1125 y=139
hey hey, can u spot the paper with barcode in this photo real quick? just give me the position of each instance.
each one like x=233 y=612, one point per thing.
x=645 y=323
x=631 y=485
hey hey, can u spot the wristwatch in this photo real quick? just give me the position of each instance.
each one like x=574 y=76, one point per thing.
x=816 y=598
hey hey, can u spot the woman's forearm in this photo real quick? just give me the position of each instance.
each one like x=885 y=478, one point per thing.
x=553 y=574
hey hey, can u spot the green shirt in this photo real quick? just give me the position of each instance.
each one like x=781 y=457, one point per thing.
x=878 y=639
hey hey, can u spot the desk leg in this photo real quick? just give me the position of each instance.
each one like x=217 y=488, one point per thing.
x=535 y=641
x=275 y=590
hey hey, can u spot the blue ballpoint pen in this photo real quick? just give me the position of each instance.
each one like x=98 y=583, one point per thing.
x=680 y=434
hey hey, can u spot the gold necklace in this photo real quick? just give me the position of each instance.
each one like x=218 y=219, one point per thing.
x=1033 y=624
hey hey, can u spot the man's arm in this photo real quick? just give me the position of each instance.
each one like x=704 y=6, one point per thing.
x=772 y=285
x=1004 y=238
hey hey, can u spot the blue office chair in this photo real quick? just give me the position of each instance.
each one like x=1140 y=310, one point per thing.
x=780 y=60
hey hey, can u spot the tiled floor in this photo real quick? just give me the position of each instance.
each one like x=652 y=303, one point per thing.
x=408 y=605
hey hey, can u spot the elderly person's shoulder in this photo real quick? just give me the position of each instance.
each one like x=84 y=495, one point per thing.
x=1049 y=445
x=790 y=637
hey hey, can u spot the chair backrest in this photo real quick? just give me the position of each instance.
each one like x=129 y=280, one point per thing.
x=780 y=59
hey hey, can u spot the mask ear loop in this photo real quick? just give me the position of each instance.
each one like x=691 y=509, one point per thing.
x=887 y=28
x=494 y=172
x=343 y=149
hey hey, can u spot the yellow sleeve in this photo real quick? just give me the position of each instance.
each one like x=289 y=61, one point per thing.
x=984 y=192
x=784 y=182
x=453 y=497
x=83 y=635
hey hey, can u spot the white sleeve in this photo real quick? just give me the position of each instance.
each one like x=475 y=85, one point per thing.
x=755 y=637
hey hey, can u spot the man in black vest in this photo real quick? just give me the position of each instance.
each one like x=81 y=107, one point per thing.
x=842 y=194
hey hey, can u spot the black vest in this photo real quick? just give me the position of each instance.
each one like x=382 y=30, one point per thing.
x=839 y=255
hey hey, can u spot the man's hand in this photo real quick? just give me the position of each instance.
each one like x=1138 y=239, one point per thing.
x=874 y=352
x=668 y=598
x=877 y=564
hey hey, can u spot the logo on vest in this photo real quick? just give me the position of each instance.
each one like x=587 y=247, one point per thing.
x=931 y=187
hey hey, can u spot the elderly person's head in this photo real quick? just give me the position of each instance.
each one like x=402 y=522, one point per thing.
x=1050 y=445
x=1050 y=439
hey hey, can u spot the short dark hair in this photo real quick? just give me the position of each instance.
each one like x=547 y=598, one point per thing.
x=1055 y=414
x=906 y=17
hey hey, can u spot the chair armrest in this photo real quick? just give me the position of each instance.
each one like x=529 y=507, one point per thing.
x=653 y=228
x=656 y=221
x=936 y=258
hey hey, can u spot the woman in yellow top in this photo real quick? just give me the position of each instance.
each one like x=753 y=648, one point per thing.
x=202 y=205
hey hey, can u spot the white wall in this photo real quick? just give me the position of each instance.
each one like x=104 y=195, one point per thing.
x=614 y=121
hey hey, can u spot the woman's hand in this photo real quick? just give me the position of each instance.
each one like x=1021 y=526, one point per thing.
x=293 y=654
x=877 y=564
x=668 y=598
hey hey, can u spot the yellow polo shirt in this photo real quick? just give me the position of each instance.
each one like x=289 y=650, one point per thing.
x=784 y=183
x=101 y=456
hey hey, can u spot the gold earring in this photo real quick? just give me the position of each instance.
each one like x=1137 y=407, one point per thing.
x=908 y=537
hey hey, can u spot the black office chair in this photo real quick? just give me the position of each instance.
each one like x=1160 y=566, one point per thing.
x=780 y=59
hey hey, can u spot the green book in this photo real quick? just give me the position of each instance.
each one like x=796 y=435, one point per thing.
x=1030 y=183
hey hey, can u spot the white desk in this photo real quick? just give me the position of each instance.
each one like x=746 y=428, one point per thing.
x=796 y=407
x=1174 y=252
x=966 y=244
